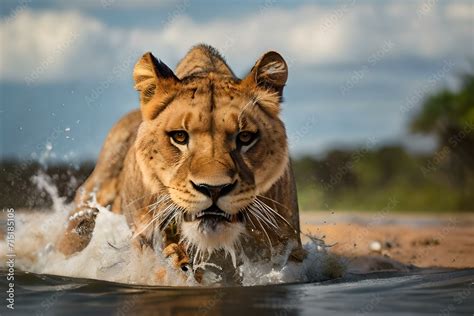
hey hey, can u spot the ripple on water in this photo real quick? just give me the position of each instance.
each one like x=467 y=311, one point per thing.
x=426 y=292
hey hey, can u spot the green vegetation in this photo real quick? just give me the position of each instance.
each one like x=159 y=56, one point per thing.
x=391 y=178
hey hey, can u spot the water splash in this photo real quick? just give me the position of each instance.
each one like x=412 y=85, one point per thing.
x=110 y=255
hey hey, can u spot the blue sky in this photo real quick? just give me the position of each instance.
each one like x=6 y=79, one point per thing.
x=358 y=69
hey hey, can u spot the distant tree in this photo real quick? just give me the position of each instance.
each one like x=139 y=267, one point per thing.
x=449 y=115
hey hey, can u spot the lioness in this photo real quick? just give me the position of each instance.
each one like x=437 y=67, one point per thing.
x=202 y=169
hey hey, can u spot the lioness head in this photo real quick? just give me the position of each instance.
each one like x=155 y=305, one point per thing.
x=209 y=144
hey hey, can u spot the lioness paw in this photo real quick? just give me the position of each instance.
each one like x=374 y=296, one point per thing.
x=178 y=257
x=83 y=222
x=78 y=233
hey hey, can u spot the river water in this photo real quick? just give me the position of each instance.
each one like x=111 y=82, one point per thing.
x=423 y=292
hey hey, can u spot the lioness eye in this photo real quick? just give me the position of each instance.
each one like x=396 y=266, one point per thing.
x=245 y=138
x=179 y=137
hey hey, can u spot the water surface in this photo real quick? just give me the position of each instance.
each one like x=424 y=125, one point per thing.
x=422 y=292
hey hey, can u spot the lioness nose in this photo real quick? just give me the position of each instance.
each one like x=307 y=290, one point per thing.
x=214 y=191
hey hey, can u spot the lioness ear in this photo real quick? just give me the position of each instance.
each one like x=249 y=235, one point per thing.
x=152 y=77
x=270 y=72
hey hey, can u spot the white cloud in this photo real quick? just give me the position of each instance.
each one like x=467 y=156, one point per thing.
x=463 y=11
x=118 y=4
x=63 y=45
x=51 y=45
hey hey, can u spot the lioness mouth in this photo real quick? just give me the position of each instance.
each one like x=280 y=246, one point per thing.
x=213 y=214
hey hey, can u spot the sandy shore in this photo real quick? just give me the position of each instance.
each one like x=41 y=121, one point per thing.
x=420 y=240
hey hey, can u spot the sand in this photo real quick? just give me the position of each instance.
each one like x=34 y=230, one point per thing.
x=422 y=240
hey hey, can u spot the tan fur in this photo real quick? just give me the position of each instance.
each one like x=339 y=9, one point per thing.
x=139 y=162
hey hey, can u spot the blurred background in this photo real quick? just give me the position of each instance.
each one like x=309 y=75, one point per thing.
x=379 y=106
